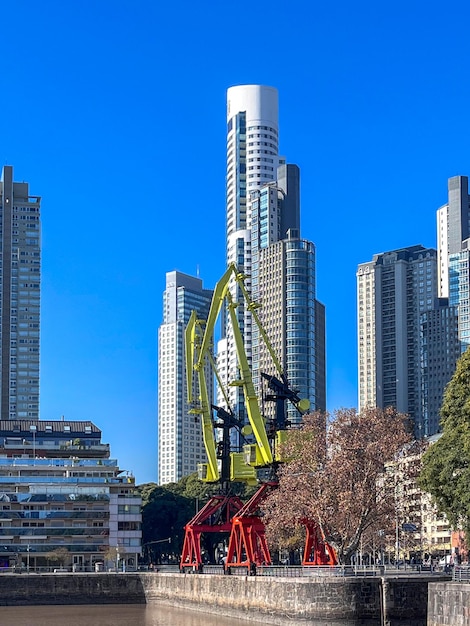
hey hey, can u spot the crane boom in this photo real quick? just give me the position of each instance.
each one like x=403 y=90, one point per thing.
x=222 y=294
x=203 y=409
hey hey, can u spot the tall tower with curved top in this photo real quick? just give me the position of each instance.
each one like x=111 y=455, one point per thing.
x=263 y=240
x=252 y=161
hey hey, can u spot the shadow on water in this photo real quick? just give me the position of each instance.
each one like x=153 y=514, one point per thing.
x=111 y=615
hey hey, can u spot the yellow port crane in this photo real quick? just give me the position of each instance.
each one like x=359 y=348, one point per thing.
x=247 y=530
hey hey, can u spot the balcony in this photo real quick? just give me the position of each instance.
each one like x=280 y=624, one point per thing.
x=59 y=449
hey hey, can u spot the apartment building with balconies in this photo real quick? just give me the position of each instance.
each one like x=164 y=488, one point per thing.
x=64 y=503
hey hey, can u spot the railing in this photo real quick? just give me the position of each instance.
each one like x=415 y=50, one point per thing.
x=59 y=569
x=461 y=573
x=297 y=571
x=20 y=463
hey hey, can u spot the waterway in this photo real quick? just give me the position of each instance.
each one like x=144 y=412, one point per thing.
x=111 y=615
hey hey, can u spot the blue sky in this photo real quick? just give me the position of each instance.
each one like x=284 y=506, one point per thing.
x=114 y=112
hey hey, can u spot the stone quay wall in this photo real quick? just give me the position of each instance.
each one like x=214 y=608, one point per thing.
x=449 y=604
x=320 y=600
x=49 y=589
x=387 y=601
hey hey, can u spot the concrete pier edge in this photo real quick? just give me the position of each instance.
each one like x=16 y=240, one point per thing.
x=388 y=601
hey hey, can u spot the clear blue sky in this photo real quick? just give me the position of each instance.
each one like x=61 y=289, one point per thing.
x=114 y=112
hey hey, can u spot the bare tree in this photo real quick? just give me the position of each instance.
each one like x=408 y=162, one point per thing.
x=337 y=477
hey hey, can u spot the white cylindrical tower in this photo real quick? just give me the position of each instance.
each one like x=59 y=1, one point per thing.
x=252 y=147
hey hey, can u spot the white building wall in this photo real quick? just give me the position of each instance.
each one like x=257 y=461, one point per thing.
x=442 y=251
x=252 y=161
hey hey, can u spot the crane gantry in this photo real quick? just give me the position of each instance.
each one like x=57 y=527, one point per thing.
x=225 y=513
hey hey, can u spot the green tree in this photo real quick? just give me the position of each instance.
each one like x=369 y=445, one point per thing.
x=337 y=477
x=167 y=509
x=446 y=464
x=164 y=515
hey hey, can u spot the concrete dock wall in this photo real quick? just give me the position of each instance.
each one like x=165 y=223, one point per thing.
x=387 y=601
x=449 y=604
x=48 y=589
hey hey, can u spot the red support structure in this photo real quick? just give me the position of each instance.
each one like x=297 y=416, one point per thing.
x=317 y=551
x=214 y=517
x=247 y=545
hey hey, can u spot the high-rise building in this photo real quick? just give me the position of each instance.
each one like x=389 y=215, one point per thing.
x=252 y=160
x=180 y=443
x=20 y=279
x=293 y=319
x=453 y=235
x=394 y=290
x=453 y=228
x=439 y=352
x=263 y=240
x=284 y=282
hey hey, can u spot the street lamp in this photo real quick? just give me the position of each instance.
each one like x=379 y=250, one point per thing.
x=27 y=557
x=148 y=543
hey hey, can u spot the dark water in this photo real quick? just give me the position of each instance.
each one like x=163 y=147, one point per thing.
x=111 y=615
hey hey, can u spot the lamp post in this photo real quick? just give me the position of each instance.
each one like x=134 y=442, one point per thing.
x=397 y=520
x=27 y=558
x=148 y=543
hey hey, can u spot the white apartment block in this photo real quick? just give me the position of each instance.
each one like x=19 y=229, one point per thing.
x=180 y=442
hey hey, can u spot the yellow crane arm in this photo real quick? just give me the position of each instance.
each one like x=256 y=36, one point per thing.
x=222 y=294
x=203 y=409
x=218 y=298
x=251 y=401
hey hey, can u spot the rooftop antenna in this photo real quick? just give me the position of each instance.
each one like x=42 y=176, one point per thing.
x=197 y=270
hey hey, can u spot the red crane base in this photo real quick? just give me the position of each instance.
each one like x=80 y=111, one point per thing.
x=247 y=545
x=317 y=551
x=214 y=517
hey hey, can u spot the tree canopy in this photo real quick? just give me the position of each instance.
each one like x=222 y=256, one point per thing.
x=336 y=477
x=167 y=509
x=446 y=463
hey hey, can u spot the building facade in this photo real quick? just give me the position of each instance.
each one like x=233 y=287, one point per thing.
x=439 y=352
x=453 y=228
x=394 y=290
x=263 y=240
x=20 y=281
x=252 y=160
x=453 y=235
x=180 y=442
x=421 y=533
x=64 y=503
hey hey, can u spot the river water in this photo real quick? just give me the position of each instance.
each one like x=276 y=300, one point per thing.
x=111 y=615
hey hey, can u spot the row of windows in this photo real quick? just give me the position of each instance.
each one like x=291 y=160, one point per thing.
x=272 y=130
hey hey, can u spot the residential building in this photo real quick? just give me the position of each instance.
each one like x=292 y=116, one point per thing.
x=453 y=233
x=263 y=240
x=180 y=442
x=284 y=282
x=20 y=278
x=453 y=227
x=63 y=501
x=394 y=290
x=252 y=160
x=439 y=353
x=420 y=531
